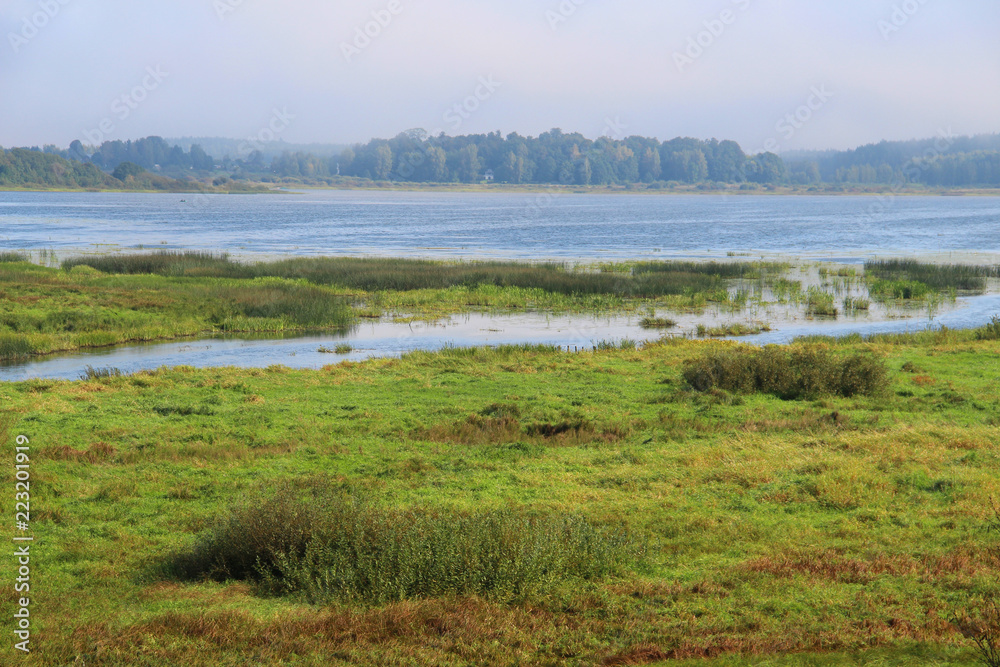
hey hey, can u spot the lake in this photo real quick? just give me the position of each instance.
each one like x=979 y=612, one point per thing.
x=515 y=226
x=567 y=227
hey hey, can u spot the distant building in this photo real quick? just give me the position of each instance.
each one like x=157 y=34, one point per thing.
x=488 y=176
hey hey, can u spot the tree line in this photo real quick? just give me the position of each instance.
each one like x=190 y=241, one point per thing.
x=556 y=157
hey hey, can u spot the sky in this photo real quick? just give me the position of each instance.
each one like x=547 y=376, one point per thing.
x=774 y=75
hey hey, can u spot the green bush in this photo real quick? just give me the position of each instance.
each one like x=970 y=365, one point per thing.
x=791 y=374
x=990 y=331
x=329 y=547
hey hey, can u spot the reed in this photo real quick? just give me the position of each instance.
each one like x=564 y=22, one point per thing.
x=937 y=277
x=646 y=280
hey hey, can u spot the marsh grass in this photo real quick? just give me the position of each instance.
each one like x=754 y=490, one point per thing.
x=13 y=257
x=820 y=303
x=298 y=304
x=657 y=323
x=47 y=310
x=855 y=303
x=737 y=329
x=899 y=289
x=937 y=277
x=644 y=280
x=326 y=547
x=14 y=347
x=90 y=373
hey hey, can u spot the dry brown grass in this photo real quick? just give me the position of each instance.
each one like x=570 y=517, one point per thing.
x=99 y=452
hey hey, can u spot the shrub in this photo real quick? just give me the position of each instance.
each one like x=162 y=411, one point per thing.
x=984 y=631
x=990 y=331
x=12 y=257
x=787 y=373
x=328 y=547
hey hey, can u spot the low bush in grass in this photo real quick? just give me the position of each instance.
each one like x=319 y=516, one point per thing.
x=327 y=547
x=789 y=373
x=13 y=257
x=990 y=331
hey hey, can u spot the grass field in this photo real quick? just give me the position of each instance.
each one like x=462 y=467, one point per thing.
x=715 y=527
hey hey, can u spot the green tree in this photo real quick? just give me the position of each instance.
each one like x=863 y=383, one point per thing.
x=127 y=169
x=383 y=163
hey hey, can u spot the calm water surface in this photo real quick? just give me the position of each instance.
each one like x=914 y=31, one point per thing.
x=522 y=226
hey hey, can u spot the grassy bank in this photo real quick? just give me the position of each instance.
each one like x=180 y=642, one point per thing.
x=45 y=310
x=839 y=527
x=104 y=300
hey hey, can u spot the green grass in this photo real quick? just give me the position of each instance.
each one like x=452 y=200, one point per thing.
x=46 y=310
x=737 y=329
x=13 y=257
x=644 y=280
x=854 y=303
x=820 y=303
x=657 y=323
x=899 y=289
x=826 y=530
x=936 y=277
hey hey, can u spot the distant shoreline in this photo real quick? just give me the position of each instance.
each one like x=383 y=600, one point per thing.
x=554 y=190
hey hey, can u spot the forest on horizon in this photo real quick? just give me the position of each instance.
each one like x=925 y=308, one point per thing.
x=553 y=157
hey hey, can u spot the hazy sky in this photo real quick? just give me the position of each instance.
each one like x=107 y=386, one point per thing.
x=870 y=69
